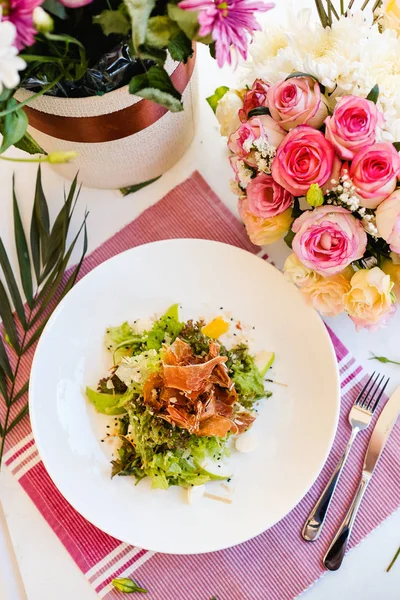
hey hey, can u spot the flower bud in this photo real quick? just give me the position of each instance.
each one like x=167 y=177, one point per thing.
x=315 y=196
x=55 y=158
x=42 y=21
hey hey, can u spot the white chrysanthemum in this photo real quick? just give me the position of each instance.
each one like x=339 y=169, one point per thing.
x=10 y=62
x=266 y=44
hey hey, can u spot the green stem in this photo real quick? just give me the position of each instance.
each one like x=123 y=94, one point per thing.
x=342 y=7
x=395 y=557
x=383 y=359
x=364 y=4
x=3 y=113
x=40 y=159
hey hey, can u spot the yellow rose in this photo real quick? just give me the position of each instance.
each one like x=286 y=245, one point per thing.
x=298 y=273
x=390 y=15
x=327 y=294
x=393 y=270
x=369 y=301
x=264 y=231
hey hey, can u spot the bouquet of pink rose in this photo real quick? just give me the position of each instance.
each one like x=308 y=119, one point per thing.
x=319 y=165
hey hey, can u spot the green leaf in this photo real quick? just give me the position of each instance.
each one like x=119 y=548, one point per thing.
x=4 y=361
x=397 y=146
x=55 y=8
x=20 y=393
x=12 y=284
x=106 y=404
x=52 y=284
x=28 y=144
x=7 y=318
x=22 y=251
x=58 y=235
x=157 y=86
x=138 y=186
x=3 y=389
x=180 y=48
x=186 y=19
x=13 y=126
x=24 y=411
x=113 y=21
x=41 y=223
x=127 y=586
x=259 y=110
x=216 y=97
x=289 y=238
x=35 y=336
x=374 y=94
x=139 y=12
x=156 y=55
x=160 y=30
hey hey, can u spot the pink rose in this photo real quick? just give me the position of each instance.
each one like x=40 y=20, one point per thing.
x=374 y=173
x=297 y=101
x=267 y=198
x=328 y=239
x=388 y=220
x=353 y=125
x=254 y=98
x=241 y=141
x=264 y=231
x=304 y=157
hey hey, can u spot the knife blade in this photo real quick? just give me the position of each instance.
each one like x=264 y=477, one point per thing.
x=381 y=432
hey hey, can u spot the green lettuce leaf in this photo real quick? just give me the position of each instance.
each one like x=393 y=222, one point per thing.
x=248 y=380
x=105 y=403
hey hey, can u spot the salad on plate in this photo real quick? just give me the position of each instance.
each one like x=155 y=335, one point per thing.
x=177 y=396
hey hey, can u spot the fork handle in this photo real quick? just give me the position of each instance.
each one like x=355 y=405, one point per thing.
x=316 y=519
x=334 y=557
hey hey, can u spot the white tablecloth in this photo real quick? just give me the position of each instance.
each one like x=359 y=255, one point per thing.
x=48 y=571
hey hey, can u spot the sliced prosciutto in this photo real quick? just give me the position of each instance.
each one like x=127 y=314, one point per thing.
x=191 y=378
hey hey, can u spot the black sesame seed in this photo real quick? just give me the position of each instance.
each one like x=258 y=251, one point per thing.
x=228 y=480
x=221 y=308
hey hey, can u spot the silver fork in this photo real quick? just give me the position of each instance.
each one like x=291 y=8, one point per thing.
x=359 y=418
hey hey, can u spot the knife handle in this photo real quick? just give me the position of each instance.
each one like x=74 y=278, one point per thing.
x=334 y=557
x=316 y=519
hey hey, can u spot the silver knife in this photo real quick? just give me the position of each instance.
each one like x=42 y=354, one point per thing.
x=384 y=425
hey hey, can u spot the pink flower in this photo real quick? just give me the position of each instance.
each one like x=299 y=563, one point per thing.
x=297 y=101
x=20 y=12
x=353 y=125
x=266 y=198
x=264 y=231
x=328 y=239
x=241 y=141
x=304 y=157
x=369 y=301
x=229 y=22
x=388 y=221
x=75 y=3
x=374 y=171
x=254 y=98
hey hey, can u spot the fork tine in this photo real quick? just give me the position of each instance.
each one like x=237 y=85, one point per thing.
x=370 y=399
x=359 y=397
x=380 y=395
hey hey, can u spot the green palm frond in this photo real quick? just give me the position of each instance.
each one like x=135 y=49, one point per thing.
x=44 y=282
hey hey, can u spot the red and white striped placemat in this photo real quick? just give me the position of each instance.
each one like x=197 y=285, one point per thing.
x=277 y=565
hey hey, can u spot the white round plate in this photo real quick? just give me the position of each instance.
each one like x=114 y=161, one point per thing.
x=295 y=427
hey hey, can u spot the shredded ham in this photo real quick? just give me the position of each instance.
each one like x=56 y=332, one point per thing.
x=197 y=396
x=191 y=378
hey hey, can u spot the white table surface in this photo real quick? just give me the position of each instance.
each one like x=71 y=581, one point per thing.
x=47 y=570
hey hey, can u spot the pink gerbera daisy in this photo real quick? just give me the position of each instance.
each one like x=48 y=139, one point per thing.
x=228 y=21
x=20 y=12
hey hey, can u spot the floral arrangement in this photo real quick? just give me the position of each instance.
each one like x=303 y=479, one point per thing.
x=77 y=48
x=314 y=139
